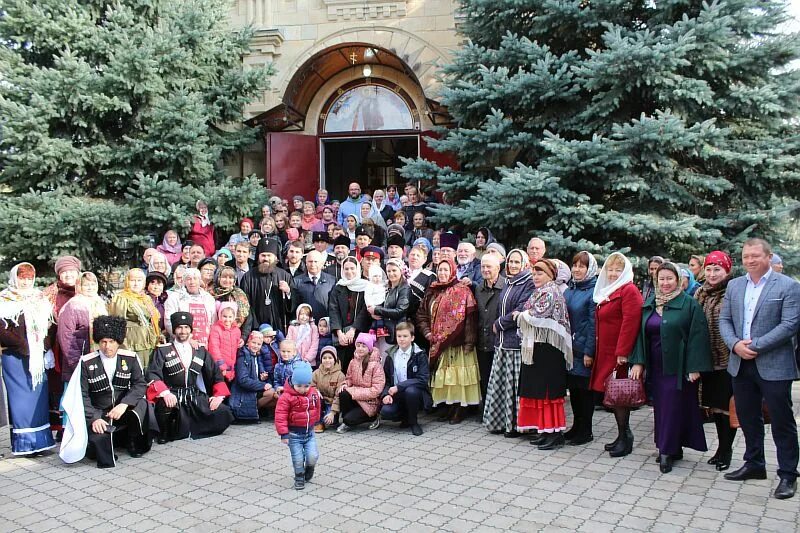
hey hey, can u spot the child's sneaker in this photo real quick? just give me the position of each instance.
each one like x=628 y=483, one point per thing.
x=343 y=428
x=309 y=473
x=319 y=428
x=299 y=481
x=376 y=423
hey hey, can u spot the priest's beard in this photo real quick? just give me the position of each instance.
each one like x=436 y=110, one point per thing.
x=266 y=267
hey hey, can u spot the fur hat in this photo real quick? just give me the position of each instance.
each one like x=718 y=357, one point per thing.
x=109 y=327
x=321 y=236
x=363 y=230
x=342 y=240
x=395 y=240
x=181 y=318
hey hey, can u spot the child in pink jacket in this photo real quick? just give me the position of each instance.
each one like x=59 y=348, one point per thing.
x=225 y=339
x=305 y=334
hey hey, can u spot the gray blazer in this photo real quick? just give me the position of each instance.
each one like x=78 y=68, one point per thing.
x=775 y=326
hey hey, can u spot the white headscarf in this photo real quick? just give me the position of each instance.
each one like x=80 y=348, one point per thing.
x=563 y=275
x=603 y=289
x=357 y=284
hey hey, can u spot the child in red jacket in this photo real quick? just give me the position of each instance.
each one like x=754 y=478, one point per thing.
x=224 y=340
x=297 y=411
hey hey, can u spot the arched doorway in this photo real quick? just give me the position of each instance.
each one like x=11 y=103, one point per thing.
x=349 y=113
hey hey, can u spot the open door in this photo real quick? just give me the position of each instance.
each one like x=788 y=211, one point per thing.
x=292 y=164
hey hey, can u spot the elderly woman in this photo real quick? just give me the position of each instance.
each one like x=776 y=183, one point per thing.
x=208 y=271
x=196 y=301
x=380 y=206
x=447 y=318
x=502 y=401
x=581 y=321
x=75 y=323
x=546 y=349
x=717 y=386
x=24 y=318
x=309 y=219
x=227 y=291
x=134 y=305
x=159 y=263
x=617 y=319
x=347 y=310
x=202 y=230
x=673 y=344
x=171 y=247
x=687 y=281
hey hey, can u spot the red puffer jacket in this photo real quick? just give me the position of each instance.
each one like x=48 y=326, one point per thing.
x=297 y=410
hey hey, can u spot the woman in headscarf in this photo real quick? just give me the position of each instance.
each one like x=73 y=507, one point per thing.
x=202 y=230
x=380 y=206
x=546 y=356
x=159 y=263
x=447 y=318
x=483 y=238
x=309 y=219
x=687 y=281
x=347 y=310
x=171 y=247
x=617 y=319
x=368 y=211
x=75 y=324
x=563 y=275
x=501 y=405
x=673 y=345
x=134 y=305
x=717 y=386
x=581 y=321
x=25 y=316
x=156 y=288
x=227 y=291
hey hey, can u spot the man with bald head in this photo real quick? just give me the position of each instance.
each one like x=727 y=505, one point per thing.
x=487 y=294
x=536 y=250
x=314 y=285
x=352 y=204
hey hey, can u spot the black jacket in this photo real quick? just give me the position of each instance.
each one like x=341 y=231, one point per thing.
x=417 y=373
x=395 y=309
x=339 y=309
x=127 y=386
x=488 y=299
x=316 y=296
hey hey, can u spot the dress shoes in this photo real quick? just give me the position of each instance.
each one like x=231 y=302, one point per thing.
x=785 y=489
x=513 y=434
x=611 y=445
x=745 y=473
x=578 y=440
x=538 y=439
x=665 y=463
x=553 y=441
x=458 y=415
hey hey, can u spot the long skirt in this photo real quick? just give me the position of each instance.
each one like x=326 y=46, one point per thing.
x=28 y=408
x=542 y=389
x=502 y=401
x=457 y=380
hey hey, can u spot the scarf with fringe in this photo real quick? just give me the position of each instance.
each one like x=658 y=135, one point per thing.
x=545 y=320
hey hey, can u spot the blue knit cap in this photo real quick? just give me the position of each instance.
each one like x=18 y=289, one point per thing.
x=301 y=373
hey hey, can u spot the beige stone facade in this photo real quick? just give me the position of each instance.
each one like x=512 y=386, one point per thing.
x=291 y=33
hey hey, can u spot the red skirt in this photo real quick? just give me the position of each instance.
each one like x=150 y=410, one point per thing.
x=547 y=416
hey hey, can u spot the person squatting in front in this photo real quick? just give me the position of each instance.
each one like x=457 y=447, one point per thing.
x=107 y=392
x=297 y=412
x=187 y=387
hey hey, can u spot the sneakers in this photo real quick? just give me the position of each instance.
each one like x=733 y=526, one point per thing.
x=376 y=423
x=343 y=428
x=299 y=482
x=309 y=473
x=319 y=428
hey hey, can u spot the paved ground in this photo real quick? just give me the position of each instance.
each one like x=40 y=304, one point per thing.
x=453 y=478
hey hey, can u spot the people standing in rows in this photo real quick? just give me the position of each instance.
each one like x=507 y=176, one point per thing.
x=75 y=323
x=673 y=346
x=759 y=322
x=347 y=310
x=618 y=319
x=717 y=389
x=581 y=309
x=134 y=305
x=447 y=318
x=501 y=409
x=25 y=316
x=202 y=230
x=405 y=392
x=196 y=301
x=546 y=354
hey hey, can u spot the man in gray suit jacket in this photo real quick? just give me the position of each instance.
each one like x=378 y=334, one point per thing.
x=759 y=322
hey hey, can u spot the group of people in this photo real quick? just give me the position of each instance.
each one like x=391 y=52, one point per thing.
x=341 y=314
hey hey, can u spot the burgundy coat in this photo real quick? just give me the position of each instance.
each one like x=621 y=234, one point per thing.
x=617 y=323
x=204 y=236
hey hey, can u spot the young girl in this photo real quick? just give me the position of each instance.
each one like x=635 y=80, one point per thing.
x=359 y=395
x=225 y=339
x=375 y=295
x=251 y=391
x=327 y=379
x=305 y=334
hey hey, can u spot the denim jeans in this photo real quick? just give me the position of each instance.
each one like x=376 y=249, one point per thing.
x=303 y=447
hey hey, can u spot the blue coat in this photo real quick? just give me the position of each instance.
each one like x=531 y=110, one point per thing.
x=581 y=308
x=247 y=384
x=473 y=272
x=516 y=292
x=417 y=373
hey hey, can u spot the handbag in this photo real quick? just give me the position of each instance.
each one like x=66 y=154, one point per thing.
x=623 y=391
x=734 y=418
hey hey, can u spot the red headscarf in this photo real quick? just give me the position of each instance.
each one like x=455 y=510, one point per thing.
x=719 y=258
x=449 y=315
x=452 y=277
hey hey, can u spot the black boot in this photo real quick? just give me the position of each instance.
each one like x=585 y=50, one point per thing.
x=553 y=441
x=624 y=443
x=299 y=481
x=309 y=473
x=164 y=424
x=726 y=436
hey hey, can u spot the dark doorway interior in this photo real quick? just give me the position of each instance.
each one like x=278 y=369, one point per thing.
x=372 y=162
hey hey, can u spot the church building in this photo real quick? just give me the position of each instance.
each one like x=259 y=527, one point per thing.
x=355 y=89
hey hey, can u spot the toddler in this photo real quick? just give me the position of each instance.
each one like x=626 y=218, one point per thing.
x=375 y=295
x=295 y=415
x=285 y=367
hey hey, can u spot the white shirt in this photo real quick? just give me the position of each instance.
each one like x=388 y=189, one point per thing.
x=401 y=359
x=184 y=350
x=751 y=295
x=109 y=365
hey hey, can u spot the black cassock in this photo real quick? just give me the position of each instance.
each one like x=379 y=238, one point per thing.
x=100 y=396
x=192 y=416
x=268 y=305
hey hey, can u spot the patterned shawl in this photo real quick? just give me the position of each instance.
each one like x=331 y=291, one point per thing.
x=141 y=303
x=710 y=299
x=545 y=319
x=450 y=310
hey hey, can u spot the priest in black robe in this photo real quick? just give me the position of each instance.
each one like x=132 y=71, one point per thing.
x=186 y=387
x=269 y=289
